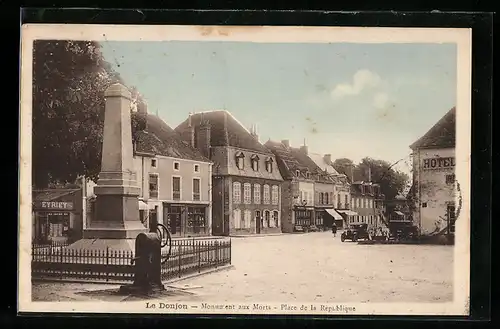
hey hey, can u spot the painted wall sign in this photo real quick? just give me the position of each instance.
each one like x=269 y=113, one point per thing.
x=53 y=205
x=438 y=163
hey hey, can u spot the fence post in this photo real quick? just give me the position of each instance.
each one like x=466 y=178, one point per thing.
x=230 y=252
x=179 y=253
x=198 y=245
x=61 y=258
x=107 y=263
x=216 y=253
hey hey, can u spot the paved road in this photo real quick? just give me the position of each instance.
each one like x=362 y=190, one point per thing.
x=316 y=267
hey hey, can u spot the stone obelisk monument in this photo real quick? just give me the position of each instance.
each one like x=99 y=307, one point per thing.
x=116 y=222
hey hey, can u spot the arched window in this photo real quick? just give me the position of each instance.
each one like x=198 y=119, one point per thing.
x=276 y=218
x=236 y=192
x=267 y=218
x=240 y=160
x=255 y=162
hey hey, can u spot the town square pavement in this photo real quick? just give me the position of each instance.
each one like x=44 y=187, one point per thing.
x=311 y=267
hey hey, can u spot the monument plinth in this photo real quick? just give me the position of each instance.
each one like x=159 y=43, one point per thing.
x=116 y=219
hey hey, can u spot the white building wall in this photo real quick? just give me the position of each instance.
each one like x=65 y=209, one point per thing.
x=433 y=193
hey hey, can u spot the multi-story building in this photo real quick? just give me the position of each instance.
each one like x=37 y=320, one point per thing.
x=246 y=188
x=367 y=204
x=174 y=179
x=434 y=186
x=308 y=191
x=338 y=194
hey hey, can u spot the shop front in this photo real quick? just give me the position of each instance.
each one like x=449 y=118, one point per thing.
x=186 y=220
x=348 y=216
x=57 y=216
x=331 y=216
x=304 y=218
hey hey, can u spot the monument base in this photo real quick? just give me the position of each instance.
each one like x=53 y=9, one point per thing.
x=114 y=230
x=150 y=290
x=126 y=245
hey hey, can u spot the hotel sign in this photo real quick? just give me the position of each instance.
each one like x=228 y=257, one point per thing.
x=438 y=163
x=53 y=205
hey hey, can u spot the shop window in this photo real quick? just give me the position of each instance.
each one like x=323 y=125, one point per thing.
x=176 y=188
x=153 y=186
x=174 y=219
x=196 y=221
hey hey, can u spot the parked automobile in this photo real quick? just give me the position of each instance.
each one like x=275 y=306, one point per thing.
x=356 y=232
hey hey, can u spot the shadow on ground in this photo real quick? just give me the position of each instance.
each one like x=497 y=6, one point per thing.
x=114 y=295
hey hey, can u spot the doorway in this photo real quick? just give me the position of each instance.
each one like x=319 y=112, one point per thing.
x=257 y=221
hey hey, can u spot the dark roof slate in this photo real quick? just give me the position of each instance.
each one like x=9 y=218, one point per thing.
x=51 y=195
x=291 y=159
x=441 y=135
x=158 y=138
x=221 y=121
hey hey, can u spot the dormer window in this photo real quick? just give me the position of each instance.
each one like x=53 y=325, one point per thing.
x=308 y=175
x=269 y=165
x=153 y=163
x=255 y=162
x=240 y=160
x=297 y=173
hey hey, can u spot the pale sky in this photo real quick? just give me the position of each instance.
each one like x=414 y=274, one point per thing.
x=350 y=100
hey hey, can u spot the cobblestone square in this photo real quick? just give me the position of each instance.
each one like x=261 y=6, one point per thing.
x=313 y=267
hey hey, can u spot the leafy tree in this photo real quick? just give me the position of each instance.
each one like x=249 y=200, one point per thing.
x=392 y=182
x=344 y=166
x=69 y=80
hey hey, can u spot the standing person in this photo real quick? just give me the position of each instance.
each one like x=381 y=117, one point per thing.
x=334 y=229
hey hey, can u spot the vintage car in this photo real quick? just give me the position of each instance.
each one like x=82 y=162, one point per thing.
x=402 y=230
x=356 y=232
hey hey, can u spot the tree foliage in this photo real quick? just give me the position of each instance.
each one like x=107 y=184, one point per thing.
x=69 y=80
x=392 y=182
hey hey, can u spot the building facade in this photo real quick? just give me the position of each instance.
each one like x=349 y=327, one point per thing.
x=367 y=206
x=308 y=199
x=336 y=196
x=174 y=180
x=434 y=189
x=246 y=183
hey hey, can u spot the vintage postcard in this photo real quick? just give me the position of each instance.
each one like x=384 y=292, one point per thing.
x=245 y=170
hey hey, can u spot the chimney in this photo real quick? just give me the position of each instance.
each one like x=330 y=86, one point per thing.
x=203 y=138
x=286 y=142
x=226 y=134
x=304 y=148
x=328 y=159
x=253 y=132
x=369 y=174
x=352 y=174
x=187 y=134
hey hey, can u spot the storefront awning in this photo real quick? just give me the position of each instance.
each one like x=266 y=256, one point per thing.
x=348 y=212
x=143 y=205
x=334 y=214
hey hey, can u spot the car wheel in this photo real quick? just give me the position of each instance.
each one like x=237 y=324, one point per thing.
x=342 y=238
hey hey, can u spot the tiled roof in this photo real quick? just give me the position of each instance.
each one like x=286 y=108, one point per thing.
x=51 y=195
x=291 y=159
x=222 y=121
x=320 y=161
x=158 y=138
x=441 y=135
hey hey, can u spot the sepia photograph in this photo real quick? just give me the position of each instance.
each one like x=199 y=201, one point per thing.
x=244 y=170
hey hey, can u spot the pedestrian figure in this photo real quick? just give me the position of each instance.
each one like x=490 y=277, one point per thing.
x=334 y=230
